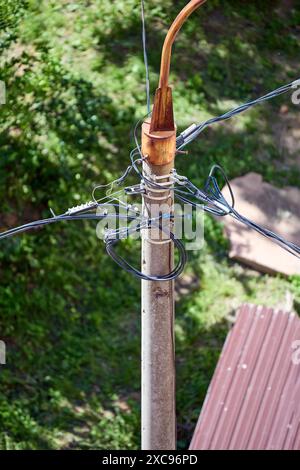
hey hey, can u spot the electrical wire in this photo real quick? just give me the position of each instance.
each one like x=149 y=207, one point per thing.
x=173 y=274
x=51 y=220
x=110 y=185
x=112 y=236
x=217 y=196
x=191 y=133
x=209 y=198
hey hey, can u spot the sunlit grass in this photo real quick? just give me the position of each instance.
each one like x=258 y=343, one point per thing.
x=69 y=316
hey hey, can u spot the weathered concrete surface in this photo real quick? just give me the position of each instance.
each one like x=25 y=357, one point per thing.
x=158 y=310
x=276 y=209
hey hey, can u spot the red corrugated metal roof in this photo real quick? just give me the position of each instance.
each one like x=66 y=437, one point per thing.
x=253 y=401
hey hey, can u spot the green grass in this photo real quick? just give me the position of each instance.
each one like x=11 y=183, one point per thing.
x=70 y=318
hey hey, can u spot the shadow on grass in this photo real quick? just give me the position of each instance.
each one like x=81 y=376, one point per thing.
x=70 y=315
x=197 y=353
x=220 y=46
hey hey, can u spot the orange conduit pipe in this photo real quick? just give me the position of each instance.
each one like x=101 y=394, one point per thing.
x=162 y=115
x=170 y=38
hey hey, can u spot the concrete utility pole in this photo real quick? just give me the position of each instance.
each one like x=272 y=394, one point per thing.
x=158 y=349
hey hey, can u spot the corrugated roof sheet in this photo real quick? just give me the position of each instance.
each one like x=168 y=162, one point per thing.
x=253 y=401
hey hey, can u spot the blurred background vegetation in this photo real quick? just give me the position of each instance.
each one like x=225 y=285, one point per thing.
x=75 y=86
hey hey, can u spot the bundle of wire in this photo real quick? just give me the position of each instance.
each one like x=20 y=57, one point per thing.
x=216 y=204
x=210 y=199
x=192 y=132
x=173 y=274
x=113 y=236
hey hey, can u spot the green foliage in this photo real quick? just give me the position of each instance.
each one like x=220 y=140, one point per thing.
x=75 y=86
x=10 y=12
